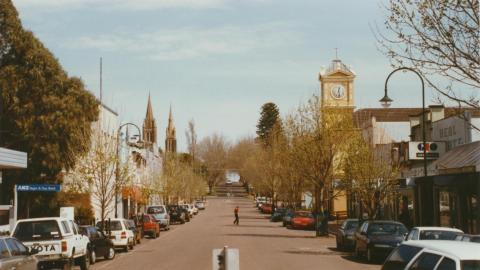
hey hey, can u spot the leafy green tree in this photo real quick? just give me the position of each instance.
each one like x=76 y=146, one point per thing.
x=269 y=116
x=44 y=112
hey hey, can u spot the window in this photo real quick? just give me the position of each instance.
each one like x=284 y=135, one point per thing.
x=447 y=264
x=65 y=227
x=4 y=253
x=115 y=225
x=438 y=235
x=470 y=265
x=400 y=257
x=387 y=229
x=413 y=235
x=73 y=227
x=426 y=261
x=37 y=230
x=14 y=250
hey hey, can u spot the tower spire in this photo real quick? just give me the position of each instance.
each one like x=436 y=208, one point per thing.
x=149 y=125
x=171 y=136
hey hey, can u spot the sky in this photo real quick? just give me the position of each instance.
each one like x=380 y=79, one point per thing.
x=215 y=61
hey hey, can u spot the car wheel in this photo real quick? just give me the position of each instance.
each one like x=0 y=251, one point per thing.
x=68 y=265
x=339 y=246
x=369 y=255
x=93 y=257
x=85 y=262
x=157 y=234
x=111 y=254
x=139 y=241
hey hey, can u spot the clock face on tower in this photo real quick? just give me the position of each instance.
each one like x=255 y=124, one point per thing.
x=337 y=91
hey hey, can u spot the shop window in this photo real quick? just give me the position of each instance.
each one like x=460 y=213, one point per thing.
x=473 y=218
x=447 y=209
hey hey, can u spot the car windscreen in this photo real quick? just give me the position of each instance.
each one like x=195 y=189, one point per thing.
x=471 y=265
x=37 y=230
x=438 y=235
x=155 y=210
x=351 y=225
x=387 y=229
x=115 y=225
x=304 y=214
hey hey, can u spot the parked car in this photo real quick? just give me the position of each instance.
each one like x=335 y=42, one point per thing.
x=135 y=226
x=150 y=225
x=195 y=209
x=15 y=255
x=434 y=255
x=287 y=218
x=100 y=244
x=468 y=238
x=118 y=231
x=345 y=237
x=160 y=213
x=303 y=220
x=200 y=205
x=176 y=214
x=189 y=210
x=57 y=240
x=184 y=209
x=378 y=237
x=259 y=201
x=278 y=214
x=433 y=233
x=266 y=209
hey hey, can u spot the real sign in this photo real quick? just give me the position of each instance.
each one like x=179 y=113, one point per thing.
x=453 y=130
x=39 y=188
x=434 y=150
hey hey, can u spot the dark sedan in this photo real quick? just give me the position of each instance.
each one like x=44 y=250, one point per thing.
x=346 y=234
x=176 y=214
x=278 y=214
x=100 y=244
x=378 y=237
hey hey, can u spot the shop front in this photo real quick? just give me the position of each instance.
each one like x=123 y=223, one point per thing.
x=450 y=197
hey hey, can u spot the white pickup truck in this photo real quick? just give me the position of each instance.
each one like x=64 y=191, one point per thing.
x=57 y=241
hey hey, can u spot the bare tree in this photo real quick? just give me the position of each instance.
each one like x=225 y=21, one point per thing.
x=437 y=38
x=95 y=173
x=370 y=174
x=212 y=151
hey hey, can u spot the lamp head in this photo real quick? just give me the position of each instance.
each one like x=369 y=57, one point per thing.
x=386 y=101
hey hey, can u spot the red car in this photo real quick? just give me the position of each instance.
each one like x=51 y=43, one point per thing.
x=266 y=208
x=150 y=226
x=303 y=220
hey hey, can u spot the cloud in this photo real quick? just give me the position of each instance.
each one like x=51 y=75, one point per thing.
x=52 y=5
x=188 y=43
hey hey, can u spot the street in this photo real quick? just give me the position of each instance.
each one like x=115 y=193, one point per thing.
x=262 y=244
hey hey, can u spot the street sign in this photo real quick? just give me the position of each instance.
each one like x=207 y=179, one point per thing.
x=434 y=150
x=39 y=188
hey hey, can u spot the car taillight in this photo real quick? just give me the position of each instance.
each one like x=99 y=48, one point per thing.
x=123 y=235
x=64 y=246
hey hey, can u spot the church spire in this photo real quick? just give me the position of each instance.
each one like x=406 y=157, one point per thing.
x=149 y=125
x=171 y=136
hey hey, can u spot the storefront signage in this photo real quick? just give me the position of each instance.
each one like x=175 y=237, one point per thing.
x=453 y=130
x=39 y=188
x=434 y=150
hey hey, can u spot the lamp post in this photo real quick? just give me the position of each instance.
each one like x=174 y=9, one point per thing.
x=117 y=165
x=386 y=102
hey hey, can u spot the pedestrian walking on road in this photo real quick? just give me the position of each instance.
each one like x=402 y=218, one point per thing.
x=236 y=216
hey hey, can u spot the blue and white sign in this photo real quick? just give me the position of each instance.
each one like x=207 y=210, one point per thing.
x=39 y=188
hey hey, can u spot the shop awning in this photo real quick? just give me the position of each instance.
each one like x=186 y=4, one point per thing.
x=461 y=159
x=11 y=159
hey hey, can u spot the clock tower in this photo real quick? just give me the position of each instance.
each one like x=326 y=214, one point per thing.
x=336 y=84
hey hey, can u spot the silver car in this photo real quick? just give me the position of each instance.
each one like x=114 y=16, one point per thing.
x=14 y=255
x=160 y=213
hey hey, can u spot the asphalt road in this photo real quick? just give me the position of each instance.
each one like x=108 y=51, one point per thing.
x=262 y=245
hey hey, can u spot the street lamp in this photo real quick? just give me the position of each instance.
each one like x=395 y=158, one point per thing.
x=117 y=165
x=387 y=101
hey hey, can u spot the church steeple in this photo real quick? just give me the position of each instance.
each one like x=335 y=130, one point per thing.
x=171 y=135
x=149 y=125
